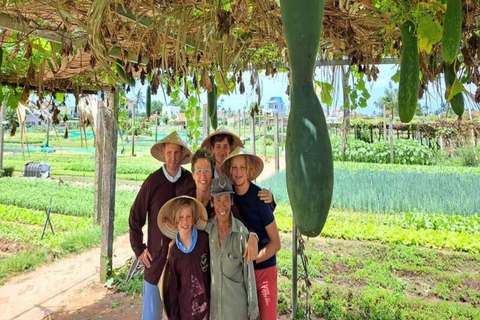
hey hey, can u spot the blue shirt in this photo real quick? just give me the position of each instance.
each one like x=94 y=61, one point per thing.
x=256 y=215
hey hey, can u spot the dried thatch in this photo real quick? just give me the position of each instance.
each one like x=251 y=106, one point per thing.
x=172 y=38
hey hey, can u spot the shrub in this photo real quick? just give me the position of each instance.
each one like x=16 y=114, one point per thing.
x=469 y=156
x=6 y=172
x=405 y=152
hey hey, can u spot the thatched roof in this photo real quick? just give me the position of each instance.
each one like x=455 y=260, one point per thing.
x=172 y=38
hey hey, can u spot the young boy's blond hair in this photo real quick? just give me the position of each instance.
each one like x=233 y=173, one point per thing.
x=248 y=165
x=184 y=203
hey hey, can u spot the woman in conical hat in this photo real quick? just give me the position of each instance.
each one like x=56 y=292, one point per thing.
x=242 y=167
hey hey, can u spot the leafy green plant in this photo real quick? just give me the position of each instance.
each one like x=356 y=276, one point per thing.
x=6 y=172
x=469 y=156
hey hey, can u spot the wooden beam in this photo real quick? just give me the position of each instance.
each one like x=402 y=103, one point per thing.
x=21 y=25
x=21 y=83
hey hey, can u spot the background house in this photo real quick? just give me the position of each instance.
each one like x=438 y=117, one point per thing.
x=275 y=103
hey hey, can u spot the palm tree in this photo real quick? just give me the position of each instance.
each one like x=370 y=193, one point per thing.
x=137 y=102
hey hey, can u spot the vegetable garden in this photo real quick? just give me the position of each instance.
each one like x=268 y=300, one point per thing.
x=400 y=242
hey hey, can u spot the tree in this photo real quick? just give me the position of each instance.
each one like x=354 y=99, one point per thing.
x=157 y=107
x=138 y=101
x=178 y=103
x=388 y=101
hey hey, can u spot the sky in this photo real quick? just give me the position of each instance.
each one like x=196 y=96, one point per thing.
x=277 y=86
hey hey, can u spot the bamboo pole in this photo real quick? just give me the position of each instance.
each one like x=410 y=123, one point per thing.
x=2 y=119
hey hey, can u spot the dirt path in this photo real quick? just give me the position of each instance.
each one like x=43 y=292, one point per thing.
x=70 y=288
x=37 y=294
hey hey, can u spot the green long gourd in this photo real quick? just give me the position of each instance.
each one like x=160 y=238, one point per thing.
x=308 y=150
x=212 y=98
x=452 y=30
x=457 y=102
x=409 y=74
x=149 y=101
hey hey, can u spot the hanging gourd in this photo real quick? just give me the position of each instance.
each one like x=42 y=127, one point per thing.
x=149 y=101
x=409 y=74
x=308 y=150
x=452 y=30
x=457 y=102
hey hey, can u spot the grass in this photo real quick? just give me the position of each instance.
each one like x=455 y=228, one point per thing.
x=387 y=191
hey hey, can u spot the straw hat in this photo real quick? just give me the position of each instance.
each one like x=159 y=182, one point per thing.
x=166 y=217
x=256 y=161
x=157 y=148
x=236 y=140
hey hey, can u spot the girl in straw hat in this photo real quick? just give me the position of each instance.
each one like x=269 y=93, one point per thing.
x=188 y=293
x=242 y=167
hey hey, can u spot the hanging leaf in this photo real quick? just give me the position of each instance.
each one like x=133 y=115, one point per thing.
x=456 y=88
x=325 y=92
x=60 y=97
x=429 y=33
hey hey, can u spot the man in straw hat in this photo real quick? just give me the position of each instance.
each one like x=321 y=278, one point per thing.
x=156 y=190
x=221 y=143
x=242 y=167
x=233 y=288
x=187 y=295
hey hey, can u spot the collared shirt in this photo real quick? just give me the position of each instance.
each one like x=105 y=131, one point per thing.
x=233 y=292
x=193 y=241
x=169 y=177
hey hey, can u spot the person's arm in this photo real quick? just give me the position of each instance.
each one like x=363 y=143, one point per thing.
x=250 y=286
x=273 y=244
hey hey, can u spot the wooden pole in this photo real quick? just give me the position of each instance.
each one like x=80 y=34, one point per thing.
x=392 y=158
x=206 y=122
x=345 y=116
x=156 y=126
x=239 y=125
x=384 y=124
x=294 y=270
x=244 y=124
x=265 y=135
x=133 y=131
x=252 y=135
x=99 y=157
x=2 y=119
x=275 y=140
x=282 y=143
x=109 y=180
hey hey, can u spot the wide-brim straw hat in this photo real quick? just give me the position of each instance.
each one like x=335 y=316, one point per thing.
x=166 y=217
x=237 y=142
x=157 y=148
x=256 y=161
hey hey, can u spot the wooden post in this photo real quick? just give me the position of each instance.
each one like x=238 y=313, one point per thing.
x=282 y=143
x=345 y=116
x=252 y=134
x=206 y=122
x=384 y=124
x=2 y=119
x=265 y=135
x=156 y=126
x=244 y=124
x=392 y=159
x=239 y=124
x=99 y=157
x=109 y=180
x=275 y=139
x=133 y=131
x=294 y=270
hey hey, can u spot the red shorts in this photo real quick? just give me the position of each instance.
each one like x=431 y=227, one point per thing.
x=267 y=292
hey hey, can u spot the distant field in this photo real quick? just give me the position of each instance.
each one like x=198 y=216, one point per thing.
x=372 y=190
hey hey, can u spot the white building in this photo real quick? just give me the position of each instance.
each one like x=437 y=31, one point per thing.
x=171 y=111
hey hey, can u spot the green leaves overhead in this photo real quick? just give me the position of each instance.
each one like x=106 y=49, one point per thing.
x=456 y=88
x=325 y=92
